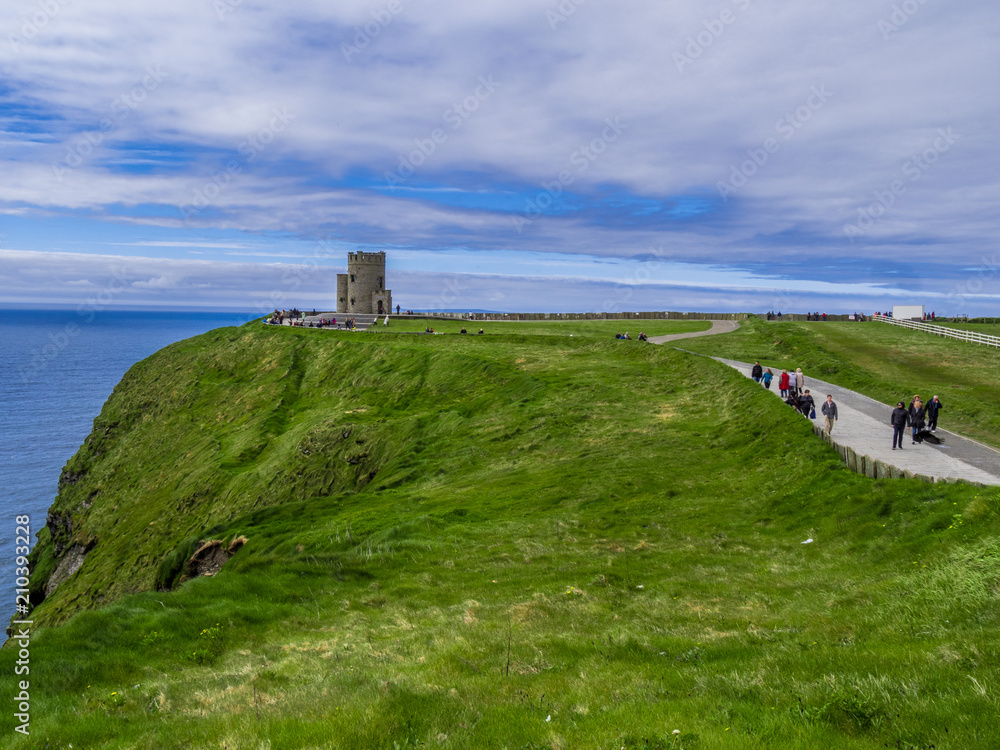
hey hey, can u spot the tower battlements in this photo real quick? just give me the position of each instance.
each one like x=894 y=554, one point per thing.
x=362 y=288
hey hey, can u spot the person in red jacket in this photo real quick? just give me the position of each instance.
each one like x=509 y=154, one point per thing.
x=783 y=384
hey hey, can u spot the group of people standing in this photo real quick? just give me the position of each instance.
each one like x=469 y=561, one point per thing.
x=918 y=417
x=792 y=388
x=921 y=418
x=787 y=382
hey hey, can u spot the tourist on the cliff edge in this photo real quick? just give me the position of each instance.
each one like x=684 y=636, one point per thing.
x=767 y=377
x=800 y=381
x=899 y=419
x=783 y=384
x=757 y=372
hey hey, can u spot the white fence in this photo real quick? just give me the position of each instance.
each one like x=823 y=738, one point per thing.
x=939 y=330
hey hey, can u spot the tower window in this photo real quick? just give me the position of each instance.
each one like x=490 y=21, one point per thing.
x=352 y=278
x=379 y=282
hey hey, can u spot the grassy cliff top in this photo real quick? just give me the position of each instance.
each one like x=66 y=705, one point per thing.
x=514 y=540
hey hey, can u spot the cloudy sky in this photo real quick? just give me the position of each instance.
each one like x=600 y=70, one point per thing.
x=507 y=155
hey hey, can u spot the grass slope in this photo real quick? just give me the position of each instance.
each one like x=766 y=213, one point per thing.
x=883 y=361
x=518 y=541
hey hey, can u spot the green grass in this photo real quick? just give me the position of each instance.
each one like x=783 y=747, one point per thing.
x=981 y=325
x=520 y=541
x=587 y=328
x=885 y=362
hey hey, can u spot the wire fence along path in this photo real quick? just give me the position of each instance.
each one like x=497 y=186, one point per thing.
x=939 y=330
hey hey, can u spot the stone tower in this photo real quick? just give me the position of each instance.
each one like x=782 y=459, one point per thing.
x=362 y=289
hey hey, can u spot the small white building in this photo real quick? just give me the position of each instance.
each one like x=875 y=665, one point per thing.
x=908 y=312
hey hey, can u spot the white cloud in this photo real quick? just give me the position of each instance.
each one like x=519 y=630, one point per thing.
x=131 y=119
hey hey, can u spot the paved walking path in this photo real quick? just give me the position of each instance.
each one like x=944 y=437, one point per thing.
x=863 y=426
x=718 y=326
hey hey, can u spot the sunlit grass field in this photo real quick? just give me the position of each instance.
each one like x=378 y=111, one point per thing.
x=516 y=540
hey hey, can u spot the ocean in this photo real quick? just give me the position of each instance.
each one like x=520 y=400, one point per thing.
x=58 y=368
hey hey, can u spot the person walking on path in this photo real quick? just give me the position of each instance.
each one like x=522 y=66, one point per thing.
x=933 y=407
x=899 y=419
x=757 y=372
x=783 y=384
x=800 y=381
x=830 y=412
x=767 y=377
x=807 y=405
x=916 y=417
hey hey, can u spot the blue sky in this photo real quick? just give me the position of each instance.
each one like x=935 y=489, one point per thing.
x=734 y=155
